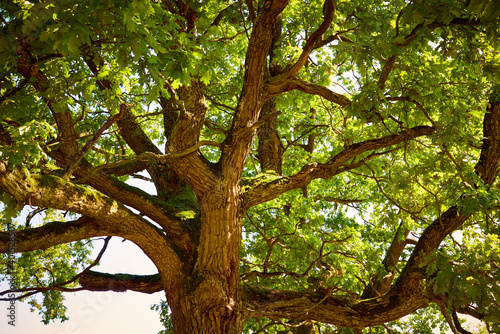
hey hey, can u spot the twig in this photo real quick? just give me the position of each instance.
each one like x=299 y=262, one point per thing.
x=60 y=286
x=124 y=107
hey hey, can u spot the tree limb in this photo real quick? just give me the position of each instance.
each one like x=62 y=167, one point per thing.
x=251 y=10
x=337 y=310
x=386 y=70
x=146 y=204
x=220 y=16
x=238 y=141
x=328 y=16
x=54 y=192
x=337 y=36
x=97 y=281
x=185 y=134
x=490 y=152
x=266 y=191
x=69 y=149
x=28 y=67
x=165 y=180
x=454 y=217
x=148 y=158
x=133 y=167
x=457 y=323
x=52 y=234
x=381 y=284
x=280 y=85
x=470 y=311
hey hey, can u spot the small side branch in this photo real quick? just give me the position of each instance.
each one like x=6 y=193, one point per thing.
x=328 y=16
x=60 y=286
x=91 y=142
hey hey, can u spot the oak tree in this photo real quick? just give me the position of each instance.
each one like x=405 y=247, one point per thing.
x=314 y=166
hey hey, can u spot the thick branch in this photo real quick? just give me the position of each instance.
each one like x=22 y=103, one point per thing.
x=343 y=311
x=270 y=149
x=95 y=64
x=27 y=66
x=55 y=192
x=251 y=10
x=148 y=205
x=457 y=324
x=287 y=81
x=96 y=281
x=490 y=152
x=472 y=311
x=337 y=36
x=165 y=180
x=454 y=217
x=280 y=85
x=266 y=191
x=52 y=234
x=143 y=202
x=132 y=167
x=193 y=168
x=386 y=71
x=381 y=284
x=69 y=149
x=130 y=130
x=239 y=139
x=221 y=15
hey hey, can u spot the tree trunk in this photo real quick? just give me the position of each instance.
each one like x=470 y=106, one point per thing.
x=209 y=299
x=206 y=308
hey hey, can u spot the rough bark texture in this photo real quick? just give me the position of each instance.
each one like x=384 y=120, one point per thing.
x=210 y=299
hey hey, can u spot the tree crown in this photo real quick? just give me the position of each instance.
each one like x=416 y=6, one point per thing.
x=353 y=145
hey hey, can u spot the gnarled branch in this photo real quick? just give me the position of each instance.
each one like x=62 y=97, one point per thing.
x=97 y=281
x=346 y=311
x=280 y=85
x=266 y=191
x=52 y=234
x=54 y=192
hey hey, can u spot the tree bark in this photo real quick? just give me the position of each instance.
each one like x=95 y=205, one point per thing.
x=210 y=299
